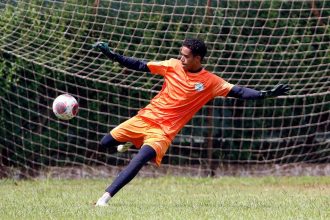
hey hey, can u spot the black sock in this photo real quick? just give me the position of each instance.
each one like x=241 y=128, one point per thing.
x=145 y=154
x=108 y=142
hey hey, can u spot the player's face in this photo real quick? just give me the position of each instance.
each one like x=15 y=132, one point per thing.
x=188 y=60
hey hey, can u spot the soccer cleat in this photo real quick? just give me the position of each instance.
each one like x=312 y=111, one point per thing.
x=124 y=147
x=101 y=204
x=103 y=200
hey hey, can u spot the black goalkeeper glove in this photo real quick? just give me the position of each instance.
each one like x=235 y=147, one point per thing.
x=276 y=91
x=104 y=48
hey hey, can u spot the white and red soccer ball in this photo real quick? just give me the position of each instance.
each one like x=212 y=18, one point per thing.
x=65 y=107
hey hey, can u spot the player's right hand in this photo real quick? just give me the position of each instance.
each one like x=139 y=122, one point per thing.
x=104 y=48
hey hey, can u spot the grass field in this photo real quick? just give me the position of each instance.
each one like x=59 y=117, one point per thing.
x=169 y=198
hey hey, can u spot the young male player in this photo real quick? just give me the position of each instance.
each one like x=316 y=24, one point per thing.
x=187 y=87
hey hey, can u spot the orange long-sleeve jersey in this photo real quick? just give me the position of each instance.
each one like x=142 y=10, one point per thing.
x=182 y=95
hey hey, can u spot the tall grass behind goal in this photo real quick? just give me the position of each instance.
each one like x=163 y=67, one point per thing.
x=46 y=50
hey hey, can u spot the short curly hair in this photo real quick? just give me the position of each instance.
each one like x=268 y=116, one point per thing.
x=197 y=47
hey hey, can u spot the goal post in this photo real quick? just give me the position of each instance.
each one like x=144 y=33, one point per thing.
x=46 y=50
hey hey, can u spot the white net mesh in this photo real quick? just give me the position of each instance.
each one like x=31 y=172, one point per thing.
x=46 y=50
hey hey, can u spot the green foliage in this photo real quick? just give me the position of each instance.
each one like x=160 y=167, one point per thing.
x=49 y=53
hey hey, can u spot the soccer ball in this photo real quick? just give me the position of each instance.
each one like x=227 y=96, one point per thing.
x=65 y=107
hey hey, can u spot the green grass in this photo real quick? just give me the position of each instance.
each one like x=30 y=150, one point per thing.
x=169 y=198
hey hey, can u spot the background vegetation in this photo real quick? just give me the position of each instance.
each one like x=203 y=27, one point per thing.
x=45 y=49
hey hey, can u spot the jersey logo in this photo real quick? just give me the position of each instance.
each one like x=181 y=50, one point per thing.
x=199 y=87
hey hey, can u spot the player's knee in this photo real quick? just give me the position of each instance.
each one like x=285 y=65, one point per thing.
x=105 y=141
x=108 y=141
x=146 y=153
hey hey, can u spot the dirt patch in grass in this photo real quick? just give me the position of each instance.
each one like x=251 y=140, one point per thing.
x=75 y=172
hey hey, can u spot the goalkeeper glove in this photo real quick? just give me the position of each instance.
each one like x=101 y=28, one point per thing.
x=276 y=91
x=104 y=48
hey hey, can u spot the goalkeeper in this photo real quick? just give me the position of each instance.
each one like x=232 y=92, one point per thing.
x=187 y=87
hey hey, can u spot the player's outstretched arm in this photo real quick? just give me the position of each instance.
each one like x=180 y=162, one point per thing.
x=247 y=93
x=128 y=62
x=278 y=90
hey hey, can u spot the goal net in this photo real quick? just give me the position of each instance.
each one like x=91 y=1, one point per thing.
x=46 y=50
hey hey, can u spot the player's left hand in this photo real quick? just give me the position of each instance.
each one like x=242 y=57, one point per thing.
x=278 y=90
